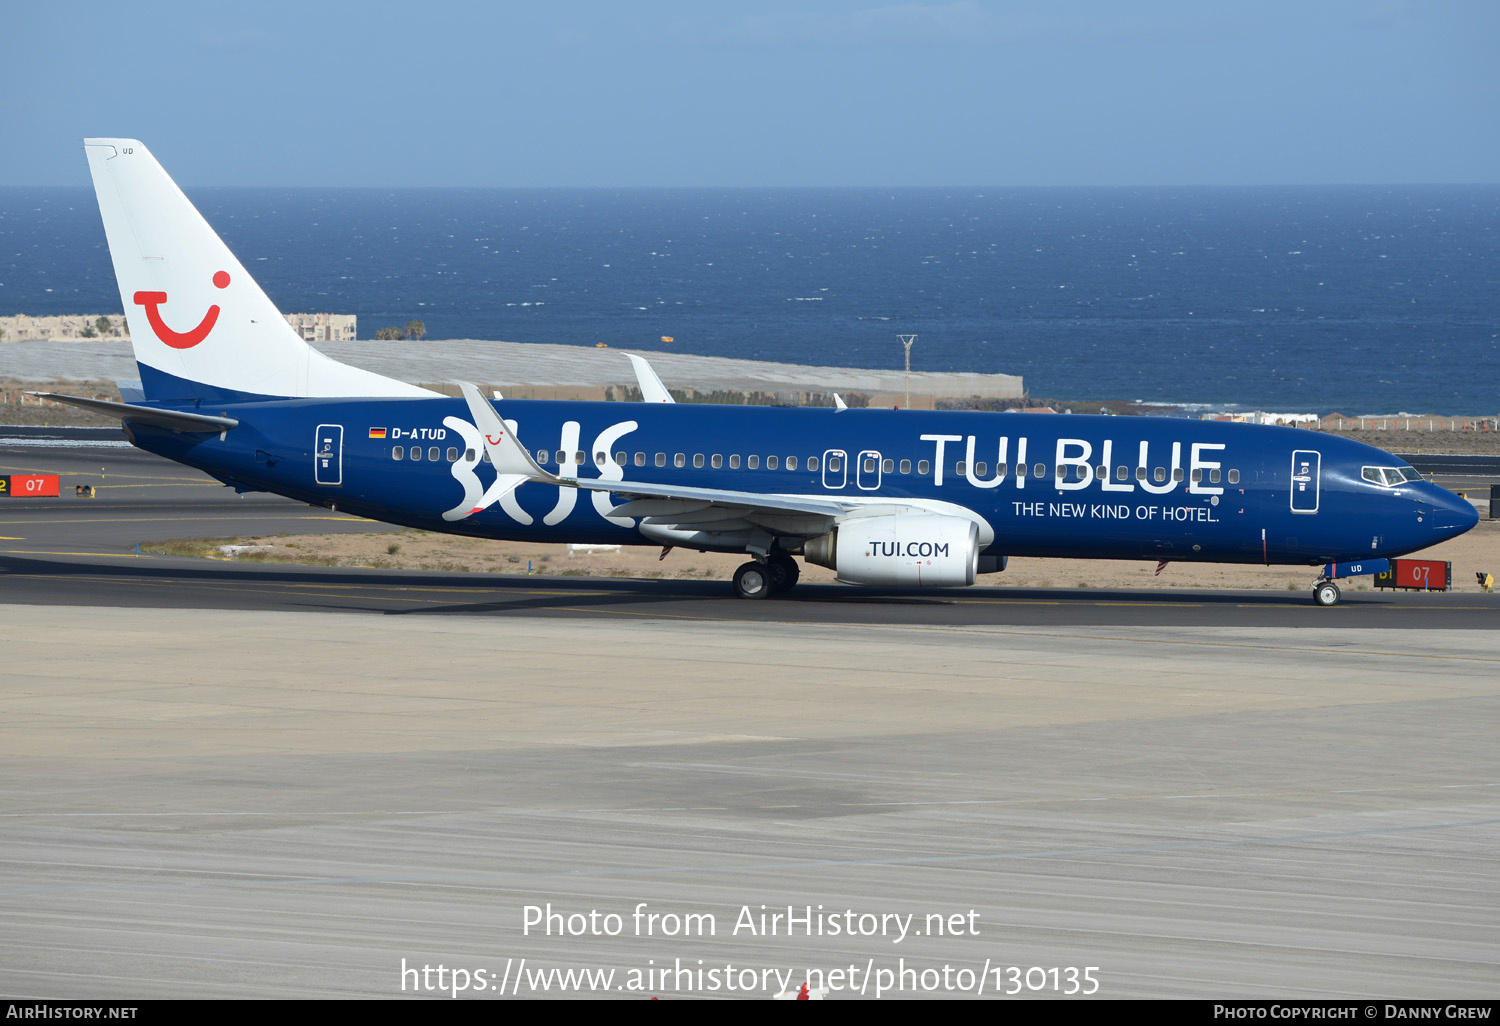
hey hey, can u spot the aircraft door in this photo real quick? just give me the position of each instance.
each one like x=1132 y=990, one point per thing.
x=328 y=455
x=835 y=469
x=867 y=473
x=1306 y=480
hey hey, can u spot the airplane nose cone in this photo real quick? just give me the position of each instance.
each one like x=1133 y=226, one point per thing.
x=1450 y=515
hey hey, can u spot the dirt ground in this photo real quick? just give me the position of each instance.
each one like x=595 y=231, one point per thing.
x=1479 y=550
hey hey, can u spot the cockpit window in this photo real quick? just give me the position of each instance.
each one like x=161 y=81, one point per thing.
x=1389 y=476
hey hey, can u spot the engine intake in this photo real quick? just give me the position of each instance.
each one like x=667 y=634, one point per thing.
x=917 y=550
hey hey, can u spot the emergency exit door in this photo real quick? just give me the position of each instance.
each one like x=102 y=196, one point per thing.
x=328 y=455
x=1306 y=474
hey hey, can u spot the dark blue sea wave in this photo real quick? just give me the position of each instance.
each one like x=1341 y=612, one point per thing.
x=1351 y=298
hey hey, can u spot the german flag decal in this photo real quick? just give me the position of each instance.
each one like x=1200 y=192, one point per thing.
x=377 y=432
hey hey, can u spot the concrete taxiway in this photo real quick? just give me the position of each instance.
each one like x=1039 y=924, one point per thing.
x=223 y=781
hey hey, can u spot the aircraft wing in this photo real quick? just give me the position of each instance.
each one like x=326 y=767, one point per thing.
x=687 y=496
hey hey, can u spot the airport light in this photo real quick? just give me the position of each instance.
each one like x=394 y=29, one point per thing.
x=907 y=340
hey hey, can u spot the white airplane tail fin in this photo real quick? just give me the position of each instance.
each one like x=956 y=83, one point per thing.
x=200 y=325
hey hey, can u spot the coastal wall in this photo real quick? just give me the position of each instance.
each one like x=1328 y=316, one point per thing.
x=535 y=370
x=314 y=327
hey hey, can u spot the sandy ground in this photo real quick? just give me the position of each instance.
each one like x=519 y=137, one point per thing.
x=1479 y=550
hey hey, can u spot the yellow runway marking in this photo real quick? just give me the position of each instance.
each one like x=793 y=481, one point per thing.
x=179 y=484
x=1003 y=602
x=194 y=481
x=43 y=552
x=375 y=592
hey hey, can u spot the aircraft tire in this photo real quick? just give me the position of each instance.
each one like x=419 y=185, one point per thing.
x=1326 y=593
x=784 y=573
x=752 y=581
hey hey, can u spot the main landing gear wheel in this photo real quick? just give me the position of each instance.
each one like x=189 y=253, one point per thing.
x=1326 y=593
x=784 y=572
x=753 y=581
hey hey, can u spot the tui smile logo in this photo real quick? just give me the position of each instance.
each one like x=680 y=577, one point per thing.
x=180 y=339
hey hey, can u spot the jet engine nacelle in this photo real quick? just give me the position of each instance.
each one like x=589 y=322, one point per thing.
x=918 y=550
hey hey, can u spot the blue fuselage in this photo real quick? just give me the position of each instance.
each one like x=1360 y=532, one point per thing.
x=1101 y=487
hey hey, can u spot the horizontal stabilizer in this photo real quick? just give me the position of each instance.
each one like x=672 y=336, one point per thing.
x=172 y=420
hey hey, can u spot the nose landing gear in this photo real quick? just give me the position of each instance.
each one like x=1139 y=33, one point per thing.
x=1326 y=593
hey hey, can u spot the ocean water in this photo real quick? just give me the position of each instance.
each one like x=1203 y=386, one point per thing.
x=1357 y=299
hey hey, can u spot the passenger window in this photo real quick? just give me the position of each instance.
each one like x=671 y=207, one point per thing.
x=771 y=462
x=1197 y=474
x=620 y=459
x=923 y=467
x=1160 y=474
x=1176 y=473
x=698 y=460
x=1041 y=470
x=812 y=463
x=601 y=458
x=752 y=462
x=980 y=468
x=398 y=453
x=906 y=466
x=416 y=452
x=1122 y=473
x=679 y=460
x=434 y=454
x=834 y=463
x=640 y=459
x=1213 y=475
x=734 y=462
x=1020 y=470
x=717 y=461
x=562 y=457
x=578 y=458
x=1234 y=477
x=661 y=459
x=542 y=456
x=791 y=463
x=468 y=455
x=1102 y=473
x=452 y=454
x=486 y=456
x=888 y=466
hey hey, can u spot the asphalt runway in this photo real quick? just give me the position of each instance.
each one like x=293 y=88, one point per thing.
x=69 y=551
x=233 y=780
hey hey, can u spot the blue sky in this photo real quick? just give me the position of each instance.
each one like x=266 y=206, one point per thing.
x=658 y=92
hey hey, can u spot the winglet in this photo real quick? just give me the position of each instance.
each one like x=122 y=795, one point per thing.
x=839 y=402
x=505 y=449
x=652 y=390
